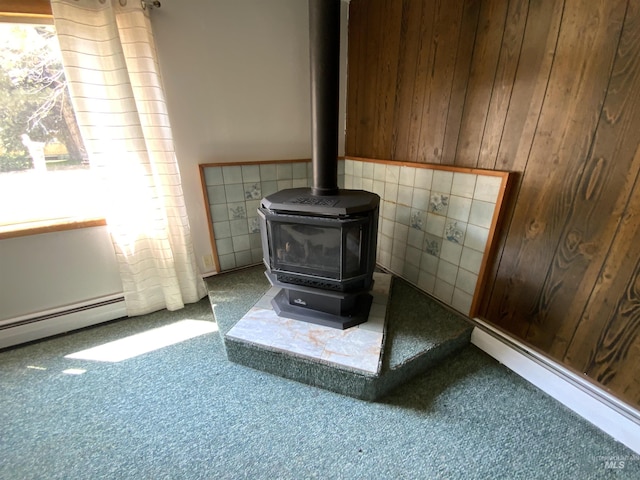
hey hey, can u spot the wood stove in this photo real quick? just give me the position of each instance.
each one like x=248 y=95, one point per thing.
x=319 y=243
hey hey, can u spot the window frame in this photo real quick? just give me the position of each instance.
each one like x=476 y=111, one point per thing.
x=38 y=11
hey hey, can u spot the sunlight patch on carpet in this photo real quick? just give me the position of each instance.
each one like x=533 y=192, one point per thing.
x=145 y=342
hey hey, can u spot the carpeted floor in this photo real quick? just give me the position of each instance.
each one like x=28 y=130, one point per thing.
x=185 y=412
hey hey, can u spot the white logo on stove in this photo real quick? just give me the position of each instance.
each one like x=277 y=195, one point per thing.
x=299 y=301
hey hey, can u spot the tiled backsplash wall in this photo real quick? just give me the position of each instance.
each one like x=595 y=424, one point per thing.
x=434 y=228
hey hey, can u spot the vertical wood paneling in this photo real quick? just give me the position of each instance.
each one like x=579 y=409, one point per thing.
x=503 y=83
x=446 y=30
x=547 y=89
x=387 y=74
x=464 y=55
x=422 y=84
x=411 y=28
x=486 y=52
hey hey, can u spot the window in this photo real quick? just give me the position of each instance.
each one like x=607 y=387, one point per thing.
x=44 y=171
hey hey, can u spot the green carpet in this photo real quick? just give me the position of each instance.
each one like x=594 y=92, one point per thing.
x=185 y=412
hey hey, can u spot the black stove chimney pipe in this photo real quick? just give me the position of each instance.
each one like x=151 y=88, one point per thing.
x=324 y=50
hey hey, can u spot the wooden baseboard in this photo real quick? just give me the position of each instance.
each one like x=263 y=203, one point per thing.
x=595 y=405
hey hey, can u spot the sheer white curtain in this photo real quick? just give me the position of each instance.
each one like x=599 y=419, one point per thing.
x=112 y=70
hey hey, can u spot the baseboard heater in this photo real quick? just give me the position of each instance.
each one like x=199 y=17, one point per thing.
x=44 y=324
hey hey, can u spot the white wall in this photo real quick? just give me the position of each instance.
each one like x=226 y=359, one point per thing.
x=39 y=273
x=236 y=76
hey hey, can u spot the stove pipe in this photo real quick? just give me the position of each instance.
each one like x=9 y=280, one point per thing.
x=324 y=53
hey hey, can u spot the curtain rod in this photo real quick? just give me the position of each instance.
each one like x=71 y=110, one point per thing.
x=150 y=4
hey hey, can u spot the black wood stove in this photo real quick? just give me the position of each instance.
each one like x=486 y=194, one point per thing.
x=319 y=243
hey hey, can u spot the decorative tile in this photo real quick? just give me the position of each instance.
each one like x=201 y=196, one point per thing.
x=459 y=208
x=348 y=166
x=447 y=272
x=385 y=242
x=237 y=211
x=255 y=241
x=221 y=229
x=442 y=181
x=227 y=262
x=238 y=227
x=391 y=191
x=424 y=178
x=378 y=188
x=269 y=187
x=400 y=233
x=252 y=207
x=232 y=174
x=367 y=170
x=299 y=170
x=466 y=281
x=421 y=199
x=392 y=174
x=216 y=195
x=240 y=243
x=471 y=260
x=219 y=212
x=234 y=193
x=284 y=171
x=252 y=191
x=254 y=225
x=432 y=244
x=435 y=225
x=413 y=256
x=405 y=195
x=464 y=184
x=418 y=219
x=403 y=215
x=388 y=210
x=443 y=290
x=454 y=231
x=250 y=173
x=268 y=171
x=224 y=246
x=461 y=301
x=439 y=203
x=426 y=281
x=415 y=238
x=243 y=259
x=476 y=237
x=481 y=213
x=488 y=188
x=379 y=172
x=407 y=176
x=213 y=176
x=429 y=263
x=451 y=252
x=284 y=184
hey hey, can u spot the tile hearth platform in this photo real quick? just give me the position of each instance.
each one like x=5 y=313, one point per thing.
x=418 y=332
x=358 y=348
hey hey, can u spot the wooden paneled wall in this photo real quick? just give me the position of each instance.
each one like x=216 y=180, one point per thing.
x=549 y=89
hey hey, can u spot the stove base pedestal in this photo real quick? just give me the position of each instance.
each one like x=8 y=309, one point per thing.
x=284 y=305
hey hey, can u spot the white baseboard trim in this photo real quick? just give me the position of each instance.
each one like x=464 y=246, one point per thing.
x=594 y=404
x=72 y=317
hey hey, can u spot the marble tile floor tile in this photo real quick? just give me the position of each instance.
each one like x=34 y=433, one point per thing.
x=358 y=348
